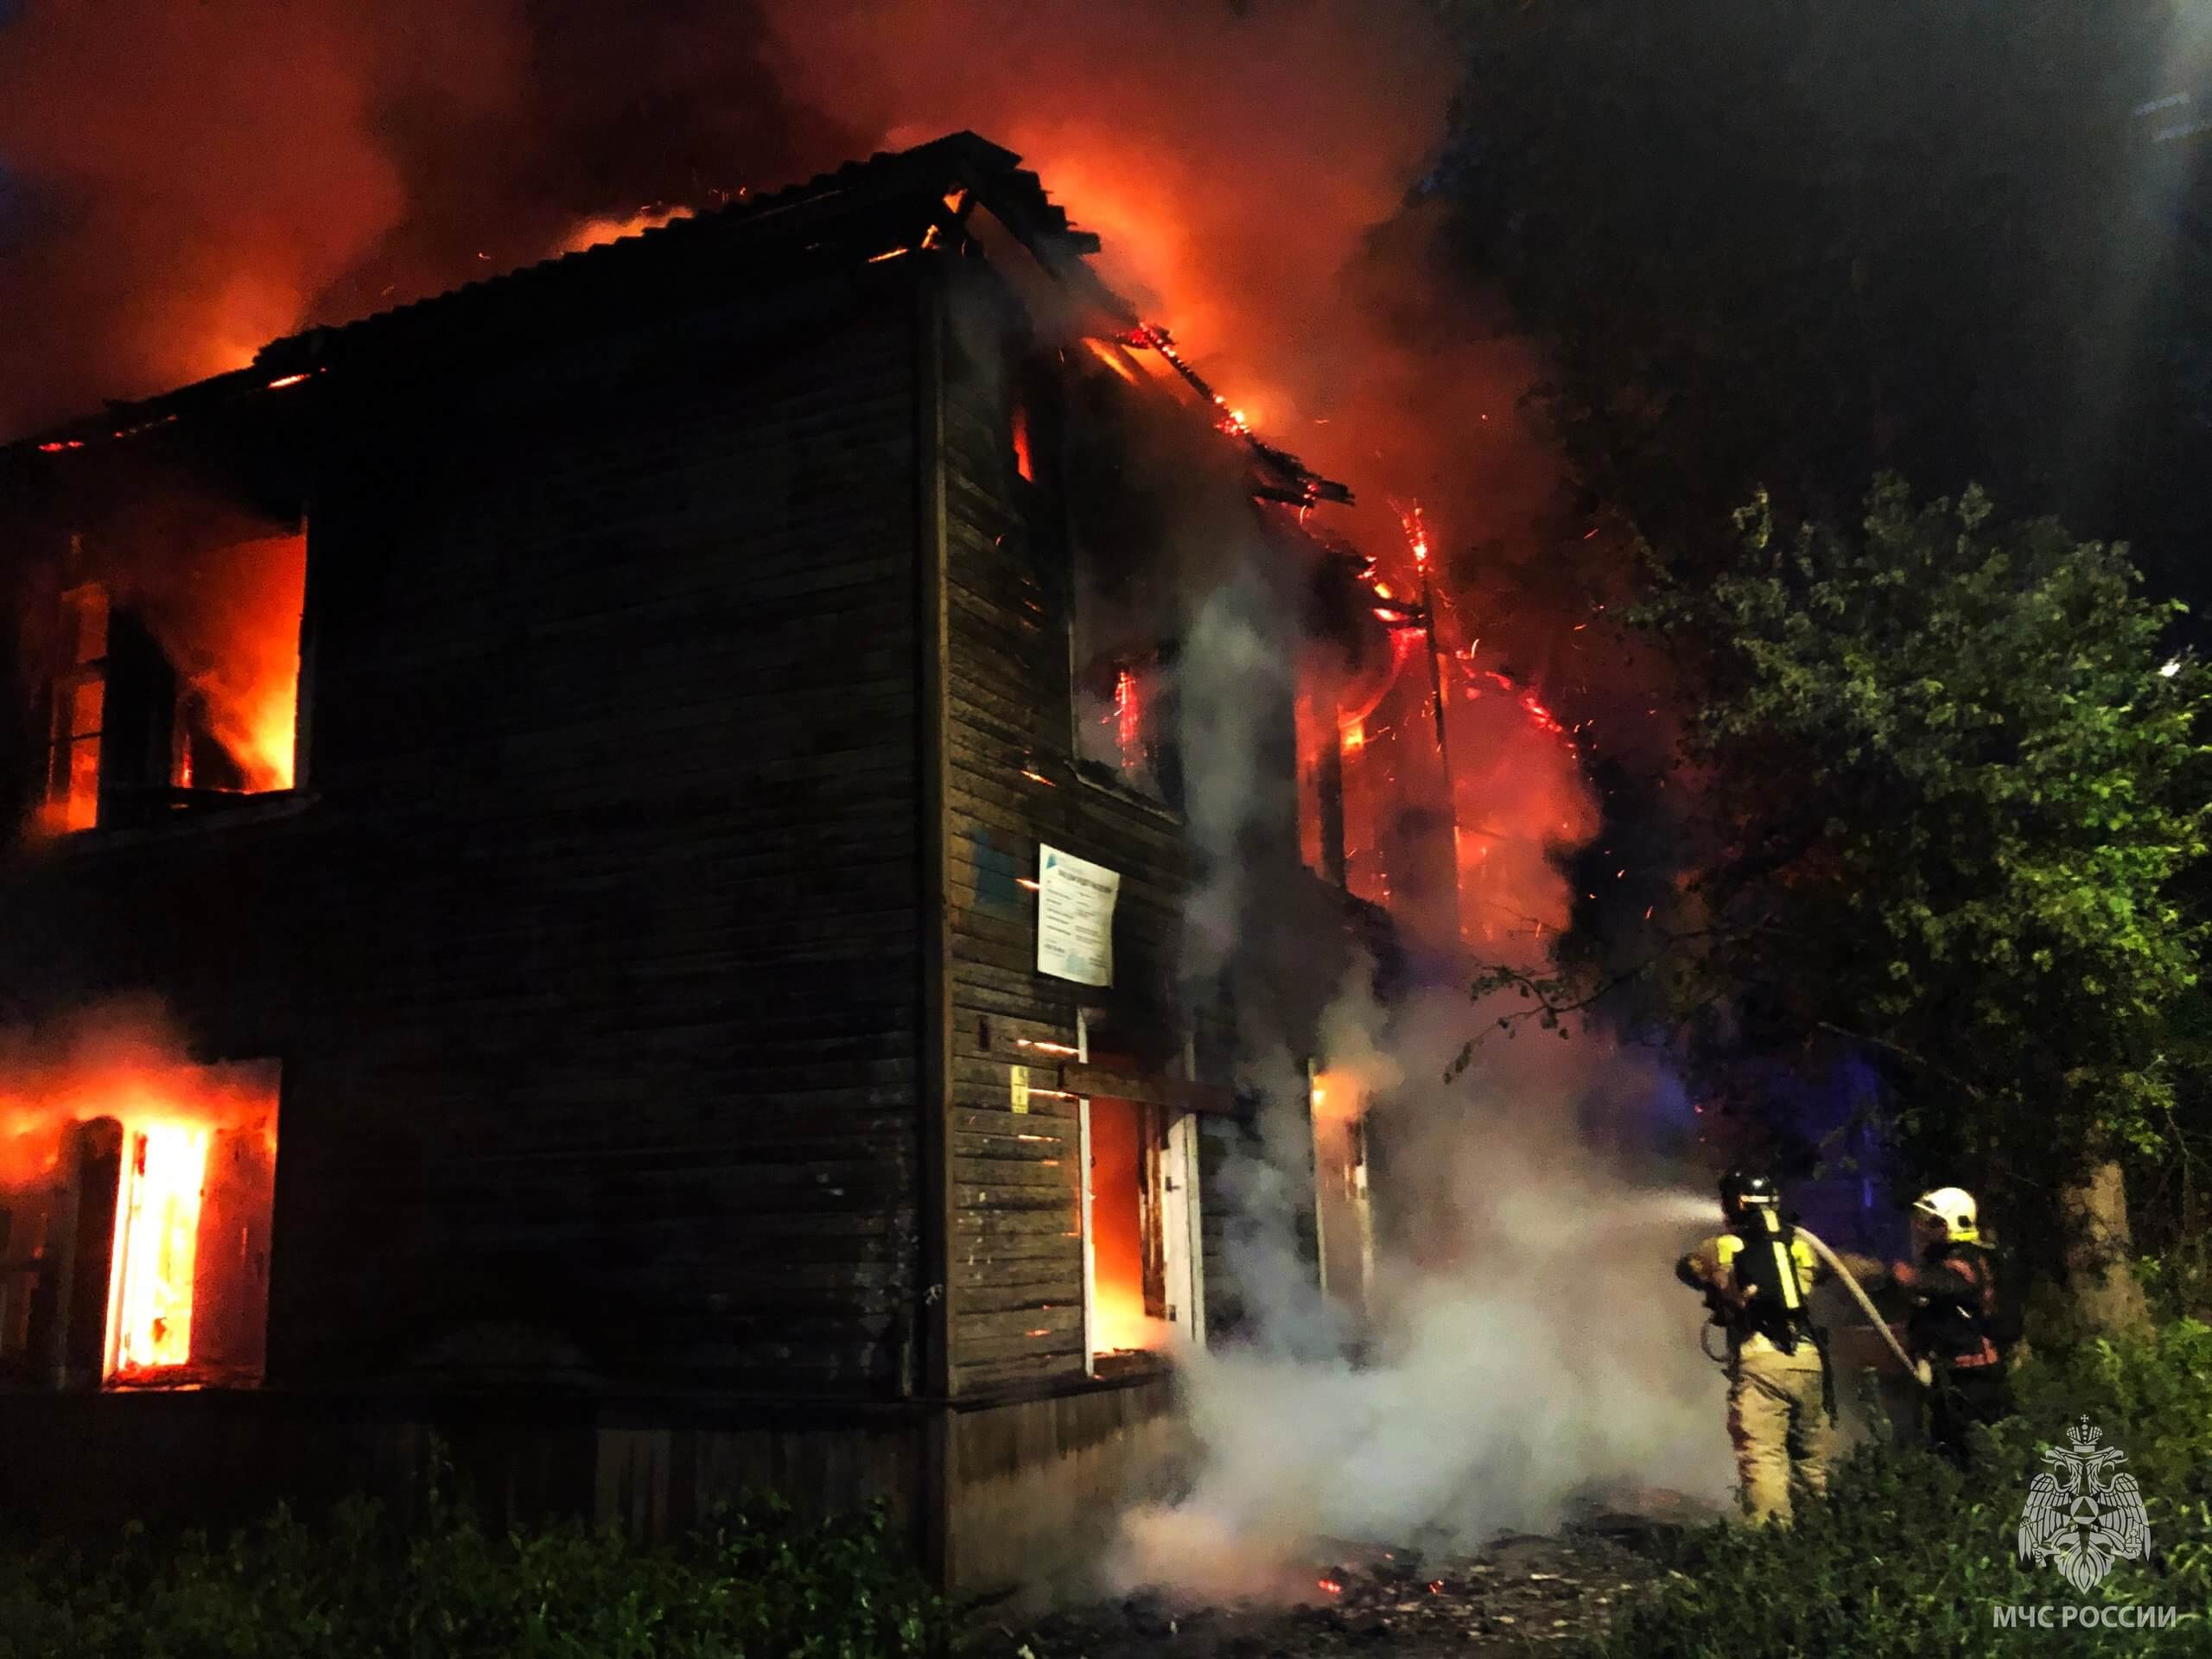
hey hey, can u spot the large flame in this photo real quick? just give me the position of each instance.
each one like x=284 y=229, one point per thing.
x=238 y=642
x=156 y=1246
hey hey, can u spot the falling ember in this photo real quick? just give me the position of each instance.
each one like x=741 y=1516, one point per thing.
x=156 y=1246
x=279 y=383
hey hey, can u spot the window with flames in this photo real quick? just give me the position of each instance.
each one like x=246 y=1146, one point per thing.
x=172 y=676
x=1123 y=706
x=135 y=1242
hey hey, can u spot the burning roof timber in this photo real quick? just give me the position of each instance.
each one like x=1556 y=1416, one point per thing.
x=894 y=202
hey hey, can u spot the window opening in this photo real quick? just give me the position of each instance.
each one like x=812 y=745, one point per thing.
x=76 y=699
x=175 y=679
x=138 y=1238
x=1342 y=1221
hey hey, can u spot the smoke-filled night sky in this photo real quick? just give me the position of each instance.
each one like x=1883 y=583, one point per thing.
x=193 y=181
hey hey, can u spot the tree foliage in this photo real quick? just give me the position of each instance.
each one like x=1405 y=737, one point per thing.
x=1947 y=788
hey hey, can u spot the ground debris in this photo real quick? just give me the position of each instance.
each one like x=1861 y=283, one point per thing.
x=1522 y=1593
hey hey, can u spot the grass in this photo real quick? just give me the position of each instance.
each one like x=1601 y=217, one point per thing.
x=760 y=1585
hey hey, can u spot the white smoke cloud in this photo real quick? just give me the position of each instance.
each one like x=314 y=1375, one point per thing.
x=1530 y=1347
x=1233 y=685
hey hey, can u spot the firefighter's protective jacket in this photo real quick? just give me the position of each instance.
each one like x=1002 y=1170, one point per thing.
x=1719 y=1265
x=1957 y=1317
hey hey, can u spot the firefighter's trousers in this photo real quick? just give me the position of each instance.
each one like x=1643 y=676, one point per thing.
x=1785 y=1441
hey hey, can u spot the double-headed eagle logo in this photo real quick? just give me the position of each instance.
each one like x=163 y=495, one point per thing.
x=2084 y=1513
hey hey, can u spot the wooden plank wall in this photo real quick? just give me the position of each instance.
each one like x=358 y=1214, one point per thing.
x=82 y=1466
x=1039 y=1487
x=592 y=962
x=1016 y=1290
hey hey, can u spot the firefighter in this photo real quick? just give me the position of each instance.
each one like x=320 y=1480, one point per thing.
x=1756 y=1278
x=1958 y=1324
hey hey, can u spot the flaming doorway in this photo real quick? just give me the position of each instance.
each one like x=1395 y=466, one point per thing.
x=1143 y=1281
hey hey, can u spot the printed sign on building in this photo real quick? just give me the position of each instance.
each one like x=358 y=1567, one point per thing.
x=1075 y=918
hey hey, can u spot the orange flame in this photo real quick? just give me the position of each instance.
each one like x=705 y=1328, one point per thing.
x=241 y=654
x=593 y=232
x=157 y=1245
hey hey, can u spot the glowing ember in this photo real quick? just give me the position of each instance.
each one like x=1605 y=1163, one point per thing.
x=1128 y=720
x=156 y=1246
x=287 y=380
x=1331 y=1586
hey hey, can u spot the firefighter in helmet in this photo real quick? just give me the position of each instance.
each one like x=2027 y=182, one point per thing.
x=1959 y=1325
x=1756 y=1277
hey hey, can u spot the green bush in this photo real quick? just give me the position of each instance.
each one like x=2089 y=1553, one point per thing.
x=760 y=1586
x=1909 y=1558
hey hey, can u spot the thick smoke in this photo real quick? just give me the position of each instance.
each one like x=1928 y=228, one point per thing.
x=1529 y=1351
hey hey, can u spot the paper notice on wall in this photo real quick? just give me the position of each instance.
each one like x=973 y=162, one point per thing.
x=1018 y=1088
x=1075 y=918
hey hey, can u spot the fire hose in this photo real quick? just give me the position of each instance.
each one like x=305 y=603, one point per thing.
x=1917 y=1369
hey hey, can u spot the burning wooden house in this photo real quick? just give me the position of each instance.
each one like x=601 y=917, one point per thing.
x=652 y=783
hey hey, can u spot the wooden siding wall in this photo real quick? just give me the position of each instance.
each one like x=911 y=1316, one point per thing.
x=592 y=960
x=1039 y=1487
x=1016 y=1271
x=81 y=1466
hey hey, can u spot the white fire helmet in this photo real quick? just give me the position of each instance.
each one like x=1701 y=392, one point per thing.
x=1949 y=1208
